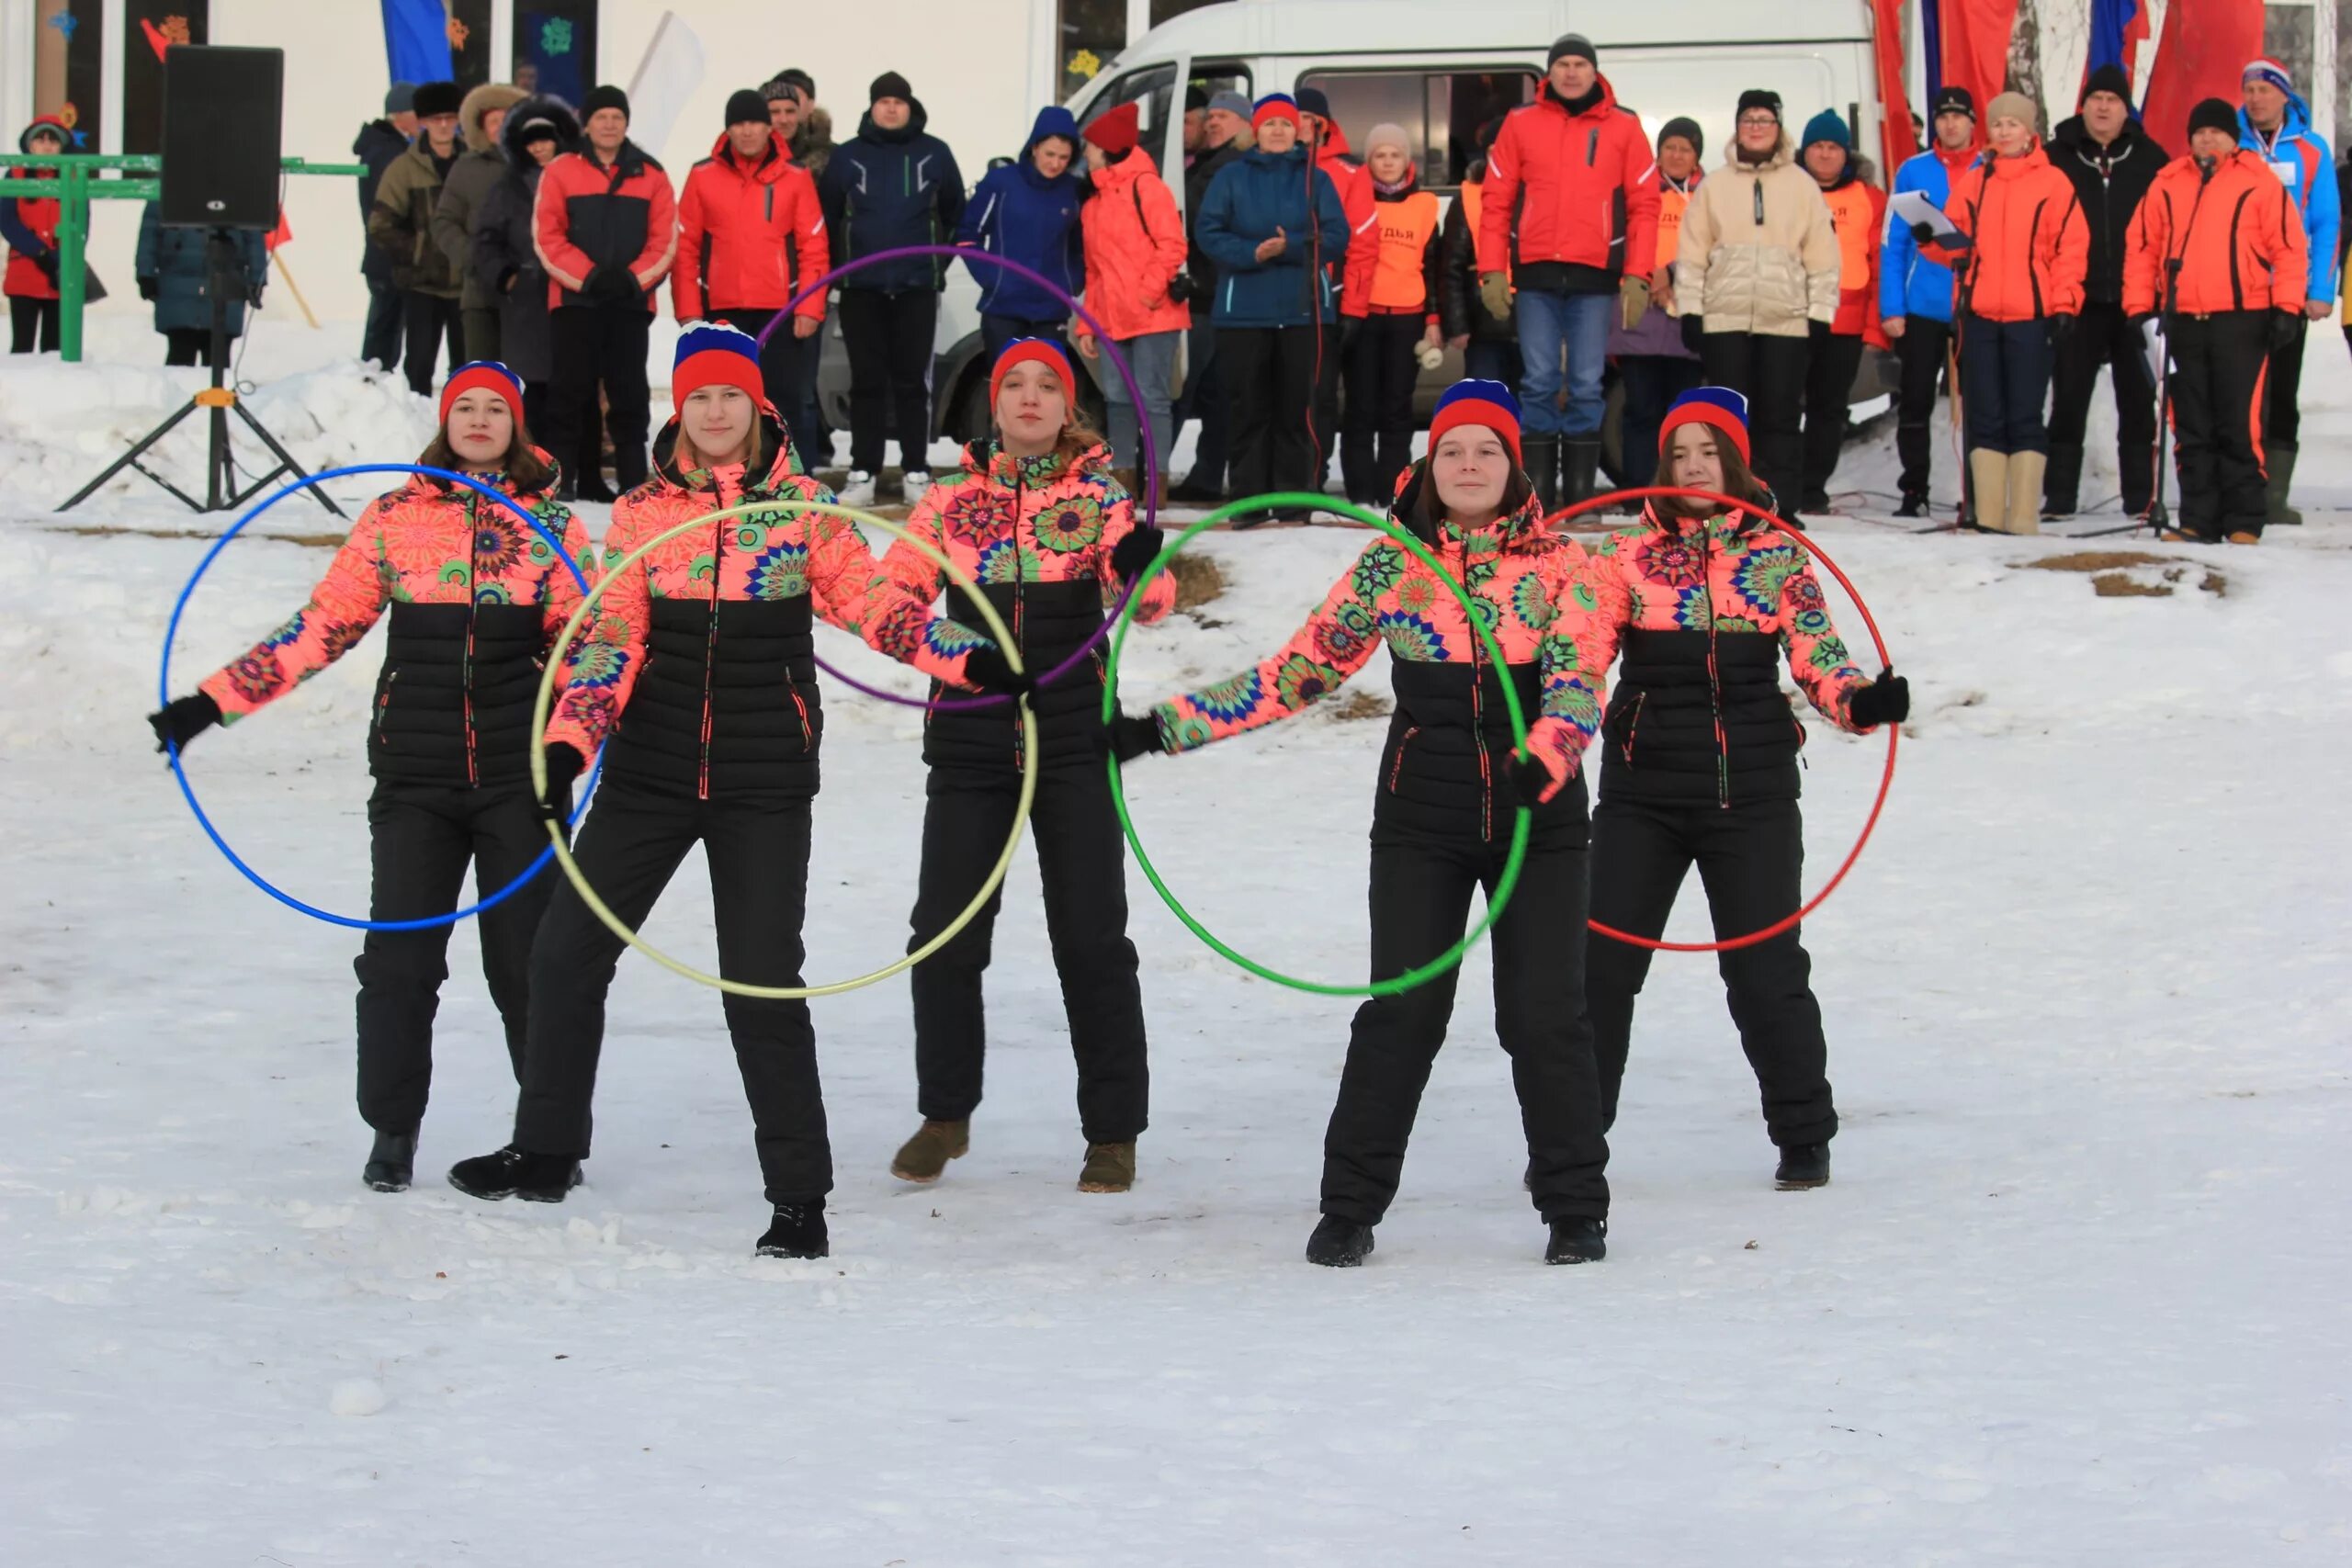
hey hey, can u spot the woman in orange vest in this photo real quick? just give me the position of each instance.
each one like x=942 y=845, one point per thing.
x=2020 y=286
x=2218 y=249
x=1857 y=212
x=1654 y=364
x=1389 y=306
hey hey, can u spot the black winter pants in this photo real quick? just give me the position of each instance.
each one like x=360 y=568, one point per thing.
x=596 y=344
x=1829 y=381
x=1652 y=382
x=422 y=837
x=2103 y=337
x=1751 y=861
x=1082 y=861
x=2004 y=380
x=1771 y=373
x=1204 y=399
x=779 y=379
x=380 y=340
x=996 y=331
x=484 y=329
x=630 y=846
x=1420 y=905
x=2215 y=388
x=1376 y=437
x=888 y=340
x=32 y=322
x=2282 y=420
x=1270 y=392
x=1921 y=349
x=191 y=346
x=430 y=321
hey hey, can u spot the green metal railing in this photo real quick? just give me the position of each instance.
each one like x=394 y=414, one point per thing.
x=75 y=187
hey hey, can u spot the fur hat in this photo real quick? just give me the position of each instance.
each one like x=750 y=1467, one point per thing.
x=438 y=97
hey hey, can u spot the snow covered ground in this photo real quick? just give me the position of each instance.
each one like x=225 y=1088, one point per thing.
x=2077 y=1295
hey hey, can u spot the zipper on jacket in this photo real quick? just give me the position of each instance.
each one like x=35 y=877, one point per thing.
x=808 y=736
x=710 y=642
x=384 y=709
x=1478 y=723
x=1397 y=768
x=1633 y=726
x=1758 y=192
x=1714 y=673
x=1020 y=604
x=465 y=663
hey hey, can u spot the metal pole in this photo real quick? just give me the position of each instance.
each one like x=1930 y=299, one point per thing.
x=72 y=236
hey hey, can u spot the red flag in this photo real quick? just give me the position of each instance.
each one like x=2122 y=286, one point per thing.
x=1977 y=36
x=155 y=38
x=2203 y=50
x=1898 y=132
x=279 y=235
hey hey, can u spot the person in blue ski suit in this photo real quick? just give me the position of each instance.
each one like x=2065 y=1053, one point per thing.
x=2276 y=125
x=1027 y=212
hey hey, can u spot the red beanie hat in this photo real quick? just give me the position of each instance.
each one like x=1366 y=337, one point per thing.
x=1026 y=351
x=483 y=376
x=1719 y=408
x=1490 y=404
x=1274 y=106
x=1116 y=131
x=714 y=353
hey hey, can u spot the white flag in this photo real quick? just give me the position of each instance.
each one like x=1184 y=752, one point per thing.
x=666 y=80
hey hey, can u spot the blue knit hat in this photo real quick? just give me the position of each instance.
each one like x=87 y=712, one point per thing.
x=1827 y=126
x=1490 y=404
x=712 y=354
x=1717 y=407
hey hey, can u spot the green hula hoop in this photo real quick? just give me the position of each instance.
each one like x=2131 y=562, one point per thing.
x=1520 y=826
x=539 y=710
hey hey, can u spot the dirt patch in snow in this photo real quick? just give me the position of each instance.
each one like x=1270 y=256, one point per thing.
x=1198 y=582
x=2131 y=574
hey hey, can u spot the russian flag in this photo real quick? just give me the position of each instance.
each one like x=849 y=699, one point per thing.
x=2117 y=29
x=416 y=41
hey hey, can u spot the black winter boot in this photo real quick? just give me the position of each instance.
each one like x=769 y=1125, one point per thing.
x=1580 y=470
x=2062 y=483
x=1339 y=1243
x=1578 y=1241
x=798 y=1231
x=516 y=1173
x=1915 y=504
x=1802 y=1166
x=2278 y=471
x=1542 y=456
x=391 y=1164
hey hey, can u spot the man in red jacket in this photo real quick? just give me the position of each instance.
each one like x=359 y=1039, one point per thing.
x=1570 y=220
x=750 y=235
x=607 y=231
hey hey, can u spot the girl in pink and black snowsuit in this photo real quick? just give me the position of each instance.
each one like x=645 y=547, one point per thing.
x=698 y=679
x=1448 y=793
x=1700 y=759
x=476 y=597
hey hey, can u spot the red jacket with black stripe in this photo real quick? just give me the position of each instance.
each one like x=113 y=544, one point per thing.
x=591 y=214
x=2238 y=237
x=750 y=236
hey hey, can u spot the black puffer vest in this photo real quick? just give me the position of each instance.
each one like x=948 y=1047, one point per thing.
x=1698 y=718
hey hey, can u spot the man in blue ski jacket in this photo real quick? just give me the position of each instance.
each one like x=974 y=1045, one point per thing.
x=2276 y=124
x=1915 y=293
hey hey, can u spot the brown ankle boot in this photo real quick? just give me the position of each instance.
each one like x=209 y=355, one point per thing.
x=921 y=1157
x=1110 y=1167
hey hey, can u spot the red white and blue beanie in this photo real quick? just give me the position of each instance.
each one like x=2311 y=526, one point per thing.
x=1031 y=351
x=1490 y=404
x=712 y=354
x=482 y=375
x=1274 y=106
x=2269 y=71
x=1720 y=407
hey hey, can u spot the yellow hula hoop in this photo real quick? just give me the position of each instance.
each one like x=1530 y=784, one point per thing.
x=540 y=708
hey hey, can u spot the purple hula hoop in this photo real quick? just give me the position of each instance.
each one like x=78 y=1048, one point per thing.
x=1134 y=400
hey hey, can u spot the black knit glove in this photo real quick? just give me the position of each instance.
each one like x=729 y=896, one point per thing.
x=563 y=766
x=1923 y=233
x=608 y=281
x=1127 y=737
x=1694 y=333
x=1530 y=777
x=2060 y=329
x=1886 y=700
x=46 y=262
x=1137 y=551
x=182 y=720
x=988 y=669
x=2285 y=326
x=148 y=288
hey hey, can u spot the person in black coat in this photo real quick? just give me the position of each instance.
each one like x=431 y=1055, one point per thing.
x=2112 y=162
x=505 y=259
x=1225 y=130
x=378 y=142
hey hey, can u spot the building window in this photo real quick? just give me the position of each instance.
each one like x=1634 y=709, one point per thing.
x=470 y=41
x=1090 y=33
x=149 y=27
x=555 y=47
x=1445 y=113
x=1153 y=91
x=69 y=62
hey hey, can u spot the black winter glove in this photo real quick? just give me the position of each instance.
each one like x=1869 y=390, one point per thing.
x=1886 y=700
x=183 y=720
x=1694 y=333
x=1923 y=233
x=1137 y=551
x=2285 y=326
x=46 y=262
x=1530 y=777
x=563 y=766
x=2060 y=329
x=1127 y=737
x=988 y=669
x=610 y=282
x=147 y=289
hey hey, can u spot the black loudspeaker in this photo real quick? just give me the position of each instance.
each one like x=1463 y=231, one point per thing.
x=222 y=109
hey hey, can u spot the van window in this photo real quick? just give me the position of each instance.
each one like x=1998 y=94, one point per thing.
x=1153 y=90
x=1090 y=32
x=1444 y=112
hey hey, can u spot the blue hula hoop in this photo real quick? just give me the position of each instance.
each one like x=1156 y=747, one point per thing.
x=164 y=690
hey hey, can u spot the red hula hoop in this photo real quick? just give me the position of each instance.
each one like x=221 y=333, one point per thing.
x=1893 y=731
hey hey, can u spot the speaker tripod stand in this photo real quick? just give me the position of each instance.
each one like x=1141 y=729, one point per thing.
x=224 y=271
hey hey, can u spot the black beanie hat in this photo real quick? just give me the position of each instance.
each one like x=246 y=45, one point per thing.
x=744 y=106
x=1195 y=97
x=2213 y=114
x=1955 y=100
x=1314 y=101
x=1687 y=128
x=1567 y=44
x=889 y=84
x=1760 y=98
x=437 y=97
x=604 y=97
x=2106 y=79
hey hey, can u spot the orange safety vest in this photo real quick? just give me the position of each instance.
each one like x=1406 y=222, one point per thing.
x=1408 y=228
x=1672 y=204
x=1857 y=213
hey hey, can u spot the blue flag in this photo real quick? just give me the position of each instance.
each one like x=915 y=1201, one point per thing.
x=416 y=41
x=2118 y=28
